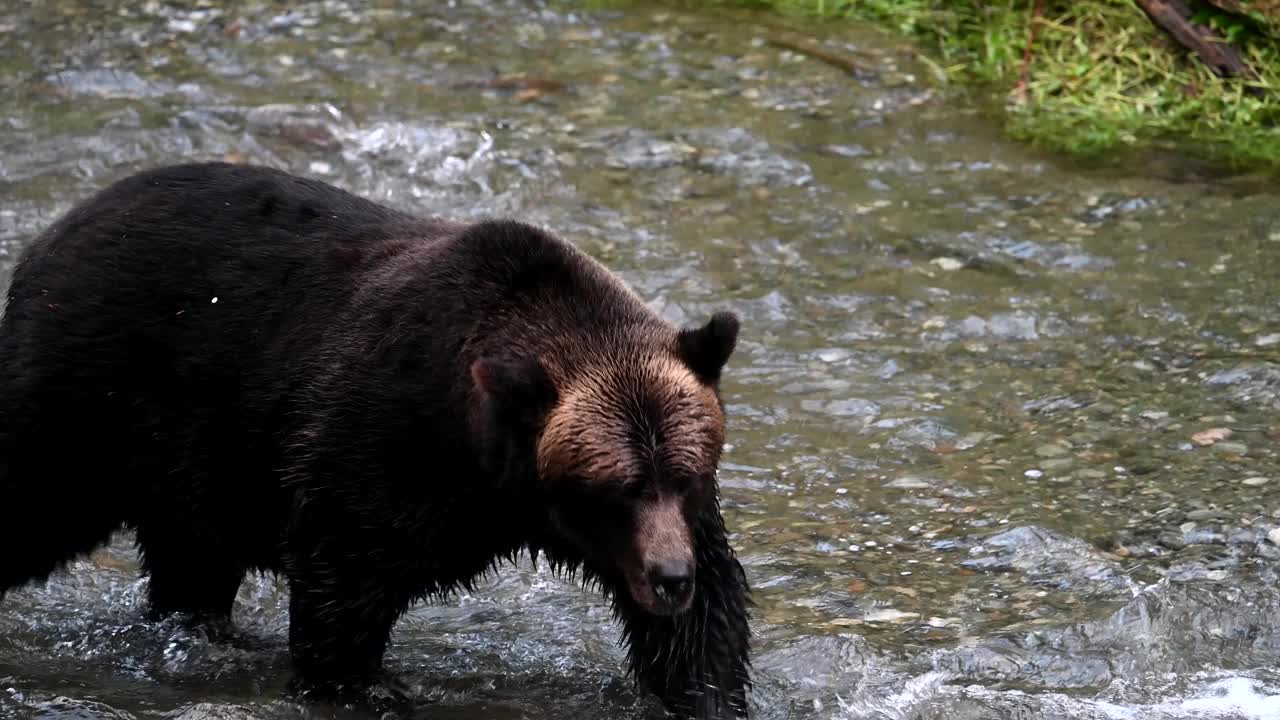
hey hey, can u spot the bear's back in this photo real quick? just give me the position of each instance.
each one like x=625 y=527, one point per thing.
x=517 y=271
x=200 y=254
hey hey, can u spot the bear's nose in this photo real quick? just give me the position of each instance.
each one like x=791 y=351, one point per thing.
x=672 y=581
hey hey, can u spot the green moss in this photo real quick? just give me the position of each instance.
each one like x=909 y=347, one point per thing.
x=1099 y=77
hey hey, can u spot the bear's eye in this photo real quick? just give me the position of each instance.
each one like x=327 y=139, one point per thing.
x=629 y=490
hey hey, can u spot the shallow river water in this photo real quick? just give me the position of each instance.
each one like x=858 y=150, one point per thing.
x=1003 y=429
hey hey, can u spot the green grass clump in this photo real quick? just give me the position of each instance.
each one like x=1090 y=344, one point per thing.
x=1100 y=77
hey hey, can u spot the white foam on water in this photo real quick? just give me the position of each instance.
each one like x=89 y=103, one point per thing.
x=1210 y=696
x=895 y=706
x=1229 y=698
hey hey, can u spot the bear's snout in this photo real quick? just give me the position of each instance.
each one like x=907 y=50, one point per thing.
x=672 y=583
x=661 y=573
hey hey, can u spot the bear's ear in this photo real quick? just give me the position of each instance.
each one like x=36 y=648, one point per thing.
x=706 y=349
x=520 y=386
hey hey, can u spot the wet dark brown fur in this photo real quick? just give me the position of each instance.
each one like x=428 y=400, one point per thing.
x=379 y=406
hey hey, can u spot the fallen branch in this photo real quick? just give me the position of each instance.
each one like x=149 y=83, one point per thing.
x=1174 y=17
x=818 y=52
x=1024 y=76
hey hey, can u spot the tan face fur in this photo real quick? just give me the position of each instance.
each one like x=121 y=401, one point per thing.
x=632 y=448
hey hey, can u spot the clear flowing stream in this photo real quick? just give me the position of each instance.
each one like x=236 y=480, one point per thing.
x=1003 y=429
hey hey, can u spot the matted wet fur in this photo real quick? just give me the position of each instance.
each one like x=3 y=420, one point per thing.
x=256 y=371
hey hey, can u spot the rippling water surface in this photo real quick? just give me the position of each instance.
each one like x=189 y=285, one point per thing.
x=1003 y=429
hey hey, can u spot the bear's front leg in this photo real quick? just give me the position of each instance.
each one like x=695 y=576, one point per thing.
x=341 y=612
x=697 y=662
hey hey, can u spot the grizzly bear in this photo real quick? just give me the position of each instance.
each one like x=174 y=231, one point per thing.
x=255 y=371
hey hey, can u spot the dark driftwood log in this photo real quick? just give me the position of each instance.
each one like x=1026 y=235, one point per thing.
x=1174 y=17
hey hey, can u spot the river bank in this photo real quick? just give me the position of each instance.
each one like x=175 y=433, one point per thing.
x=1094 y=79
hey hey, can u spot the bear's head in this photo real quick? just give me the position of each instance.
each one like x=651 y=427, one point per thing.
x=621 y=442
